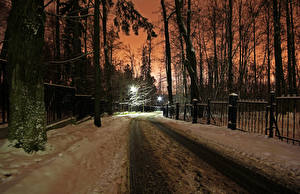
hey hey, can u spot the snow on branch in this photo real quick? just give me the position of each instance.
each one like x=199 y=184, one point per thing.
x=140 y=94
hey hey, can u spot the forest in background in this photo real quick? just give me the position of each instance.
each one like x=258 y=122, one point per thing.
x=69 y=35
x=246 y=47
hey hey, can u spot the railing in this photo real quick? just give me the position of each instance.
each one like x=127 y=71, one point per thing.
x=84 y=106
x=288 y=117
x=3 y=100
x=59 y=102
x=279 y=116
x=219 y=112
x=251 y=115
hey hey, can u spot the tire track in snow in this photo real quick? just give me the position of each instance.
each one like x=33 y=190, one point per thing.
x=246 y=178
x=145 y=173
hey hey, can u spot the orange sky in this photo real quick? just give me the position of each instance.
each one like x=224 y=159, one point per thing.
x=151 y=10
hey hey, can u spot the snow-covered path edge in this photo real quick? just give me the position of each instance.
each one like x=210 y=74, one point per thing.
x=273 y=158
x=78 y=159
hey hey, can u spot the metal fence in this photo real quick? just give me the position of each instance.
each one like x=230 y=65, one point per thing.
x=126 y=107
x=288 y=117
x=276 y=117
x=219 y=113
x=251 y=115
x=59 y=102
x=3 y=99
x=84 y=105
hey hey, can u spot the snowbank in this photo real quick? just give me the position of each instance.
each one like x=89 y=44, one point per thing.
x=274 y=158
x=78 y=159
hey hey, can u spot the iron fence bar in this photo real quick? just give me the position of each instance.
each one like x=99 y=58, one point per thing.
x=184 y=112
x=208 y=112
x=258 y=120
x=287 y=121
x=294 y=119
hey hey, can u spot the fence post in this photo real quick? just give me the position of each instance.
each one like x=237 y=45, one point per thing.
x=184 y=112
x=232 y=111
x=208 y=111
x=195 y=110
x=272 y=100
x=177 y=111
x=267 y=120
x=167 y=111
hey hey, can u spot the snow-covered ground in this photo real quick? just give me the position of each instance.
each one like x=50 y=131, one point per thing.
x=85 y=159
x=276 y=159
x=78 y=159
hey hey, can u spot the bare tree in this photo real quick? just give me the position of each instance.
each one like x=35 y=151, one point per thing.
x=97 y=119
x=107 y=66
x=280 y=83
x=229 y=43
x=290 y=47
x=167 y=51
x=190 y=51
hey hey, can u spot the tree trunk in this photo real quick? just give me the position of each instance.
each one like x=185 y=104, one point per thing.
x=3 y=72
x=289 y=48
x=216 y=73
x=200 y=63
x=149 y=38
x=240 y=47
x=191 y=56
x=168 y=52
x=183 y=61
x=107 y=65
x=277 y=50
x=27 y=109
x=230 y=37
x=224 y=65
x=254 y=58
x=3 y=54
x=78 y=76
x=57 y=40
x=294 y=64
x=97 y=119
x=268 y=48
x=223 y=52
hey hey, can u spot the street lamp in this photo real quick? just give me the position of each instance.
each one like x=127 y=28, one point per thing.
x=133 y=95
x=133 y=89
x=159 y=98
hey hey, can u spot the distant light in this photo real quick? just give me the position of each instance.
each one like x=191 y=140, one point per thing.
x=133 y=89
x=159 y=98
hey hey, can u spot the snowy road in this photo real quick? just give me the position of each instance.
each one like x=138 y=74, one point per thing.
x=85 y=159
x=164 y=161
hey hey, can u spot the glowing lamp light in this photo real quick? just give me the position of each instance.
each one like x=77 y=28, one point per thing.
x=133 y=89
x=159 y=98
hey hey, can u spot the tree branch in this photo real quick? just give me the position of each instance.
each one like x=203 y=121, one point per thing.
x=69 y=60
x=62 y=16
x=51 y=1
